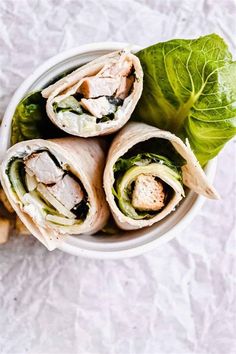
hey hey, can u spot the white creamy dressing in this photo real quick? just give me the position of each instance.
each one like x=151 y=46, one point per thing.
x=34 y=209
x=77 y=123
x=85 y=123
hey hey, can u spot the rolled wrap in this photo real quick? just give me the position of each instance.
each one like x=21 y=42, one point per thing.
x=189 y=173
x=81 y=162
x=107 y=71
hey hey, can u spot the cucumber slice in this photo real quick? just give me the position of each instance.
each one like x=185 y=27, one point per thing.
x=16 y=172
x=70 y=103
x=55 y=203
x=31 y=182
x=60 y=220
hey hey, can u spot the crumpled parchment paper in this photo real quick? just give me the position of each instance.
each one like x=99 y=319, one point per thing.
x=178 y=299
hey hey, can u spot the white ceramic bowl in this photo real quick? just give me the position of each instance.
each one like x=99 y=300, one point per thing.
x=126 y=244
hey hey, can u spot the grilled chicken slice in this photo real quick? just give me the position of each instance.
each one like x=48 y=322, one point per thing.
x=98 y=107
x=43 y=168
x=67 y=191
x=125 y=86
x=95 y=86
x=109 y=80
x=148 y=193
x=120 y=68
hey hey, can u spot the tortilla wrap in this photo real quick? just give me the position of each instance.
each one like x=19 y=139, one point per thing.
x=88 y=125
x=192 y=174
x=84 y=159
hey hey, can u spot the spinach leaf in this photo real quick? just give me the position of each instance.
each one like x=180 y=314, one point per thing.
x=81 y=209
x=106 y=118
x=30 y=120
x=116 y=101
x=190 y=89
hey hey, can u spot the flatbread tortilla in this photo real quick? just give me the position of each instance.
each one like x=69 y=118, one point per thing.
x=193 y=175
x=70 y=84
x=86 y=159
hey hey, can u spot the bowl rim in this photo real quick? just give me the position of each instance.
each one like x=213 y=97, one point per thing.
x=68 y=245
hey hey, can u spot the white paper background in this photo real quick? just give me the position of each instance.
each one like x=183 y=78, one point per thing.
x=178 y=299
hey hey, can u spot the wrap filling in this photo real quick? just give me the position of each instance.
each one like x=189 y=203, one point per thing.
x=145 y=182
x=47 y=190
x=97 y=98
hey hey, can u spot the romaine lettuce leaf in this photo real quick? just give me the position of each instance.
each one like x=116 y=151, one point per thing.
x=190 y=89
x=30 y=120
x=143 y=159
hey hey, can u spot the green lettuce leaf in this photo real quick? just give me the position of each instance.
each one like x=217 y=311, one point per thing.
x=190 y=90
x=143 y=159
x=30 y=120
